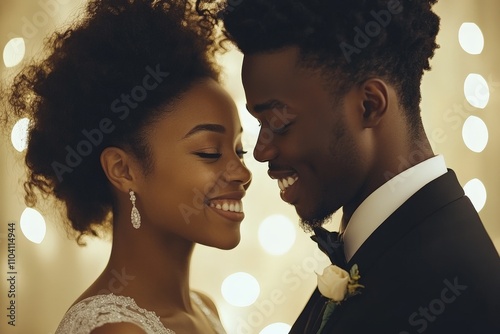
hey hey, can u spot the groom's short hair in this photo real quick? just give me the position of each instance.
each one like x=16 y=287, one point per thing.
x=349 y=40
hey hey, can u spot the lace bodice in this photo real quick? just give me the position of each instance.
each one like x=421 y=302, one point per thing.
x=99 y=310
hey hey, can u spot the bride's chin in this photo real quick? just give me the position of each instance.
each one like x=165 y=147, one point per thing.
x=224 y=242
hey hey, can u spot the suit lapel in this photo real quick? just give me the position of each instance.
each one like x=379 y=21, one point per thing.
x=422 y=204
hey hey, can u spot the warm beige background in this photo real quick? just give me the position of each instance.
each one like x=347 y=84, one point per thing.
x=52 y=274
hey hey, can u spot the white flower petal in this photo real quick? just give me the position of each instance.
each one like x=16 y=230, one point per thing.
x=333 y=283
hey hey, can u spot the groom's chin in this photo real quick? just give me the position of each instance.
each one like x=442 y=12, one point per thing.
x=308 y=223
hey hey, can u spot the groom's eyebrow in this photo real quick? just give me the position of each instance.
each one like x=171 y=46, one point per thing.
x=258 y=108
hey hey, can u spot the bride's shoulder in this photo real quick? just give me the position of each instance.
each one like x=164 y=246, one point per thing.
x=109 y=314
x=206 y=301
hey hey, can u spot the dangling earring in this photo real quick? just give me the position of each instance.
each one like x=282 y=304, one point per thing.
x=135 y=216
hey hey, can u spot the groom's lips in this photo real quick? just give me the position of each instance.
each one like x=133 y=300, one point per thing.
x=288 y=183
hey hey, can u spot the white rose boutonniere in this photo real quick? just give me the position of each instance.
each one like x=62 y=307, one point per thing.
x=333 y=283
x=337 y=285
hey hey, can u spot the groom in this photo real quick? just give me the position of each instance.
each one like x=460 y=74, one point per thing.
x=335 y=85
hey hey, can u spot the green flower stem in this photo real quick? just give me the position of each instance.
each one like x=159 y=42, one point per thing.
x=330 y=307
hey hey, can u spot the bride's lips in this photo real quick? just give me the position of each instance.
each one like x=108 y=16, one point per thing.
x=228 y=206
x=288 y=184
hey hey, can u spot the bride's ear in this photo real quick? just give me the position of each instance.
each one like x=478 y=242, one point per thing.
x=121 y=169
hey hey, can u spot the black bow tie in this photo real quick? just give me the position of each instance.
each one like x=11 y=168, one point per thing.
x=332 y=245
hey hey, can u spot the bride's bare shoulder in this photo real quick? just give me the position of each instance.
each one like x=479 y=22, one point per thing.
x=208 y=302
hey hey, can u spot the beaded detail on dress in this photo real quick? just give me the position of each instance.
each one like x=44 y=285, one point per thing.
x=96 y=311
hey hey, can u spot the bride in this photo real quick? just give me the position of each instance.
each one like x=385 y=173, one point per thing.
x=131 y=131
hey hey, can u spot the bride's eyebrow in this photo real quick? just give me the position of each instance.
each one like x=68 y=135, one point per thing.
x=205 y=127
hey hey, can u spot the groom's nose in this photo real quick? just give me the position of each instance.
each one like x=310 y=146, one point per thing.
x=265 y=149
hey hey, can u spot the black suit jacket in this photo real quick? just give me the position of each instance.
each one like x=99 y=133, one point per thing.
x=429 y=268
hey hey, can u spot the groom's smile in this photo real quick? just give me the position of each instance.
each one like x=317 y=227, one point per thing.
x=287 y=183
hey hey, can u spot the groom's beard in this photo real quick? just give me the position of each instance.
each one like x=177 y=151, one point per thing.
x=308 y=225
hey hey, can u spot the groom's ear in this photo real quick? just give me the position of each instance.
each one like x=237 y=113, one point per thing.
x=375 y=95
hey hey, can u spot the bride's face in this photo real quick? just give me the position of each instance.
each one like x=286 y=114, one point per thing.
x=198 y=178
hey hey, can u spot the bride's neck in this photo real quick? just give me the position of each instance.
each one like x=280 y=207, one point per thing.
x=151 y=267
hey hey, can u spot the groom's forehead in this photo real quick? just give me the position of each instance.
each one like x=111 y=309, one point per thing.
x=271 y=67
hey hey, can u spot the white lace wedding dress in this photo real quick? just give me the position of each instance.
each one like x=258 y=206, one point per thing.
x=99 y=310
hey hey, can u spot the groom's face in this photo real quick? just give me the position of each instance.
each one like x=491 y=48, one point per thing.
x=311 y=138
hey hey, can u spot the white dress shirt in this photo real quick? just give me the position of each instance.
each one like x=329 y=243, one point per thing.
x=386 y=199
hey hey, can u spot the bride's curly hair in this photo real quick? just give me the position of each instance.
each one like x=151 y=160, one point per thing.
x=398 y=44
x=84 y=80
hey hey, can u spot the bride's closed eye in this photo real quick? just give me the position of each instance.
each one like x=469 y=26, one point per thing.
x=206 y=155
x=241 y=153
x=214 y=156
